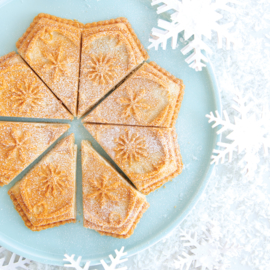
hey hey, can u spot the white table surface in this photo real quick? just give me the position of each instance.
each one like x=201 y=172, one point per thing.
x=237 y=205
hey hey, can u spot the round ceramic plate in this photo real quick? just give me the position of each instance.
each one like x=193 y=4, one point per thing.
x=196 y=138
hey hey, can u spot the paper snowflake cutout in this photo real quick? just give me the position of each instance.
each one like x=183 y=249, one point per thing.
x=115 y=261
x=197 y=18
x=13 y=263
x=75 y=264
x=248 y=134
x=206 y=253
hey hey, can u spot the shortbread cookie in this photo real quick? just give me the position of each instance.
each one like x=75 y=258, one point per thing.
x=148 y=156
x=110 y=51
x=21 y=143
x=51 y=46
x=23 y=94
x=45 y=197
x=111 y=205
x=150 y=97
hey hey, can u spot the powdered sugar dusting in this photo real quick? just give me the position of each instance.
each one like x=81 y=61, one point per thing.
x=24 y=95
x=54 y=54
x=109 y=43
x=143 y=99
x=22 y=143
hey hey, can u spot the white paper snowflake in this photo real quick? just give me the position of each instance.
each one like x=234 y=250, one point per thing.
x=76 y=264
x=114 y=261
x=249 y=133
x=14 y=263
x=197 y=18
x=207 y=253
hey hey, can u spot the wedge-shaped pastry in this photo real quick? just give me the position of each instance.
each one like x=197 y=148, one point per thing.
x=22 y=143
x=110 y=51
x=111 y=206
x=45 y=197
x=148 y=156
x=51 y=46
x=23 y=94
x=150 y=97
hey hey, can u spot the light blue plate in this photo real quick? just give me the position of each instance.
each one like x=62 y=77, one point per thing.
x=196 y=137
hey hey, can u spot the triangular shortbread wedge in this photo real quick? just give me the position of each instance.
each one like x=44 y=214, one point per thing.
x=151 y=96
x=51 y=46
x=23 y=94
x=148 y=156
x=22 y=143
x=111 y=205
x=46 y=196
x=110 y=51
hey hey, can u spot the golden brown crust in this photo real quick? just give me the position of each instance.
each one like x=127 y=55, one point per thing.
x=2 y=184
x=166 y=73
x=178 y=104
x=28 y=141
x=57 y=202
x=148 y=98
x=27 y=221
x=128 y=25
x=99 y=177
x=56 y=58
x=47 y=16
x=23 y=94
x=177 y=81
x=7 y=57
x=130 y=232
x=164 y=160
x=178 y=170
x=116 y=63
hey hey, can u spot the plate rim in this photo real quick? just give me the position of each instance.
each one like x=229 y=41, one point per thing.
x=156 y=238
x=204 y=184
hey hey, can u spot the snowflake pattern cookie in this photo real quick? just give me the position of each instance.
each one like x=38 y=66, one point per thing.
x=151 y=96
x=110 y=51
x=45 y=197
x=51 y=46
x=22 y=143
x=147 y=101
x=111 y=205
x=149 y=156
x=23 y=94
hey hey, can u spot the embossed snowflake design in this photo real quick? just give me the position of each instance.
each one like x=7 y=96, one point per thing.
x=102 y=191
x=249 y=133
x=26 y=95
x=53 y=179
x=58 y=63
x=133 y=104
x=40 y=208
x=17 y=145
x=47 y=36
x=197 y=18
x=102 y=69
x=130 y=147
x=118 y=40
x=205 y=253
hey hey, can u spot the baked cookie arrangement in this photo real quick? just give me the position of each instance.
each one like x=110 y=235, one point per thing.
x=66 y=69
x=45 y=197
